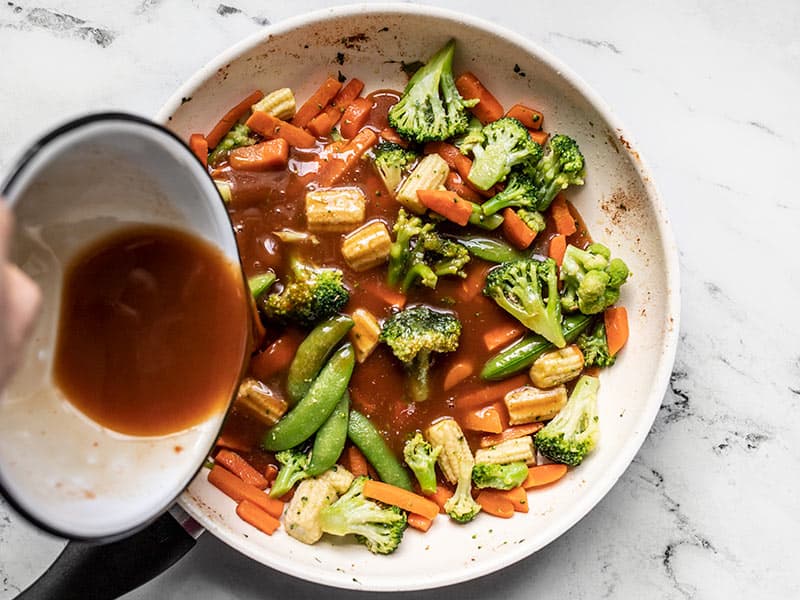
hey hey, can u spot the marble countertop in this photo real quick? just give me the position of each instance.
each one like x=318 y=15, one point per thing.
x=709 y=506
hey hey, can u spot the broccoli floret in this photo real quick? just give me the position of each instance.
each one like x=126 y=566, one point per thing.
x=591 y=280
x=379 y=528
x=507 y=144
x=528 y=290
x=431 y=107
x=421 y=457
x=500 y=477
x=471 y=137
x=294 y=465
x=520 y=191
x=562 y=165
x=413 y=334
x=390 y=159
x=461 y=507
x=574 y=431
x=311 y=295
x=594 y=346
x=237 y=137
x=533 y=219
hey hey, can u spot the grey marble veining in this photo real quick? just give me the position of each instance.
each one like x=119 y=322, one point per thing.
x=708 y=509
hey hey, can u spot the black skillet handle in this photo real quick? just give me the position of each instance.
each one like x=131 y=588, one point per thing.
x=105 y=571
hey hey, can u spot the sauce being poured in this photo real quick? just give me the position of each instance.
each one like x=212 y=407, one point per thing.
x=153 y=331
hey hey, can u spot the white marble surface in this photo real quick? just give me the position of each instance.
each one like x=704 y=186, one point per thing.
x=709 y=508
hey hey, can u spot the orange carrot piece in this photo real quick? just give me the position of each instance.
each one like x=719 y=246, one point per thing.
x=540 y=137
x=230 y=118
x=273 y=127
x=482 y=419
x=276 y=357
x=565 y=223
x=511 y=433
x=458 y=373
x=516 y=230
x=199 y=146
x=495 y=504
x=391 y=297
x=558 y=246
x=544 y=475
x=530 y=117
x=261 y=520
x=488 y=109
x=448 y=152
x=390 y=135
x=323 y=123
x=456 y=184
x=473 y=284
x=241 y=468
x=270 y=473
x=518 y=498
x=448 y=204
x=357 y=462
x=226 y=441
x=273 y=154
x=316 y=102
x=355 y=117
x=441 y=496
x=491 y=392
x=337 y=167
x=397 y=496
x=500 y=336
x=419 y=522
x=348 y=93
x=616 y=320
x=230 y=485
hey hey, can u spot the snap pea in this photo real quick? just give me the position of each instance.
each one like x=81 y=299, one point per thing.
x=483 y=221
x=312 y=354
x=330 y=439
x=363 y=434
x=302 y=421
x=521 y=354
x=489 y=249
x=259 y=284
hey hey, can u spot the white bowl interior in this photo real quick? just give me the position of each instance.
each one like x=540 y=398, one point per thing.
x=67 y=472
x=618 y=203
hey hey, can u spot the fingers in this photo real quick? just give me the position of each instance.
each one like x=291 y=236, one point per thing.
x=23 y=300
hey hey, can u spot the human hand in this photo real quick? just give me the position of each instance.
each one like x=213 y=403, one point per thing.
x=19 y=303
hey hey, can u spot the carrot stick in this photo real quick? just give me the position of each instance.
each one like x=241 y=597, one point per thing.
x=458 y=373
x=316 y=102
x=441 y=496
x=199 y=145
x=558 y=246
x=544 y=474
x=226 y=441
x=491 y=392
x=448 y=204
x=397 y=496
x=273 y=127
x=322 y=124
x=448 y=152
x=540 y=137
x=276 y=357
x=516 y=230
x=273 y=154
x=473 y=284
x=419 y=522
x=500 y=336
x=270 y=473
x=357 y=462
x=488 y=109
x=230 y=118
x=518 y=498
x=565 y=223
x=230 y=485
x=530 y=117
x=483 y=419
x=511 y=433
x=389 y=296
x=495 y=504
x=261 y=520
x=456 y=184
x=241 y=468
x=337 y=167
x=616 y=320
x=390 y=135
x=355 y=117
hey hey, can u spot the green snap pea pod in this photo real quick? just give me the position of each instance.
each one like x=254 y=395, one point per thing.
x=312 y=354
x=302 y=421
x=259 y=284
x=483 y=221
x=489 y=249
x=521 y=354
x=363 y=434
x=330 y=439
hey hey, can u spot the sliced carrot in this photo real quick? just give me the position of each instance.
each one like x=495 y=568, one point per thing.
x=323 y=123
x=516 y=230
x=276 y=357
x=225 y=440
x=356 y=462
x=473 y=284
x=397 y=496
x=511 y=433
x=456 y=184
x=441 y=496
x=616 y=320
x=419 y=522
x=488 y=109
x=199 y=146
x=389 y=296
x=518 y=498
x=483 y=419
x=565 y=223
x=448 y=152
x=558 y=246
x=491 y=392
x=231 y=117
x=390 y=135
x=316 y=102
x=355 y=117
x=337 y=167
x=273 y=127
x=270 y=473
x=448 y=204
x=530 y=117
x=241 y=468
x=261 y=520
x=500 y=336
x=544 y=474
x=272 y=154
x=458 y=373
x=230 y=485
x=495 y=504
x=540 y=137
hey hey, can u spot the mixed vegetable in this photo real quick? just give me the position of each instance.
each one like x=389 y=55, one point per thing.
x=431 y=313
